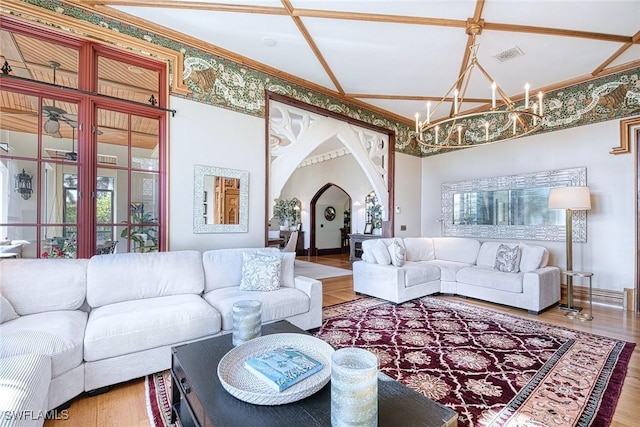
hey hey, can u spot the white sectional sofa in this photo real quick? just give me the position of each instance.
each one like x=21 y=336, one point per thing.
x=115 y=317
x=457 y=266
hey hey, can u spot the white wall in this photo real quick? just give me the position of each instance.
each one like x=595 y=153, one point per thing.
x=609 y=250
x=408 y=185
x=204 y=135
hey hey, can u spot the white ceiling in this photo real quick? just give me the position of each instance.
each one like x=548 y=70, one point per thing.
x=386 y=53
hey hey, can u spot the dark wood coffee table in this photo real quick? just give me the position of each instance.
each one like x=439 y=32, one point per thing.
x=199 y=399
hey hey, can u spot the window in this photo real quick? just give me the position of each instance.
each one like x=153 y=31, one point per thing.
x=90 y=156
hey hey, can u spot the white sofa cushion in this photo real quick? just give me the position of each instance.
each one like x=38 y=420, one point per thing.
x=57 y=334
x=260 y=272
x=419 y=249
x=132 y=326
x=380 y=252
x=223 y=267
x=42 y=285
x=448 y=269
x=490 y=278
x=417 y=273
x=6 y=310
x=276 y=305
x=135 y=276
x=533 y=257
x=487 y=254
x=24 y=389
x=458 y=249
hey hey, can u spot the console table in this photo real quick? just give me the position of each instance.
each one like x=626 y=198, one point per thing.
x=355 y=245
x=199 y=399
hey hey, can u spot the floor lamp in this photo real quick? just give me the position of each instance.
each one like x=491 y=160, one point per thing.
x=571 y=199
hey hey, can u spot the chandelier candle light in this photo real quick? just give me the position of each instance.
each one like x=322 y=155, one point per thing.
x=462 y=130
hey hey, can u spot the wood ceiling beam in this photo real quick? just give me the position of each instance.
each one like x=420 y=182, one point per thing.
x=620 y=51
x=312 y=45
x=232 y=56
x=556 y=32
x=411 y=97
x=190 y=5
x=376 y=17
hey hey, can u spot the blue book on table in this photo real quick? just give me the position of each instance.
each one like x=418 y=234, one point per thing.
x=282 y=367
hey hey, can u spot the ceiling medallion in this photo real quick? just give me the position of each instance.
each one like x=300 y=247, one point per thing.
x=501 y=122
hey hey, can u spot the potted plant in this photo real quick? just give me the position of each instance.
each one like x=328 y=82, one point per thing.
x=281 y=212
x=144 y=237
x=287 y=212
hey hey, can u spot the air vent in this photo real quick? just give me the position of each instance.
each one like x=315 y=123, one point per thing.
x=509 y=54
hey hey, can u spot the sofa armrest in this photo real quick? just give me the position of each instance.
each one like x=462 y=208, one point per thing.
x=309 y=286
x=543 y=284
x=313 y=288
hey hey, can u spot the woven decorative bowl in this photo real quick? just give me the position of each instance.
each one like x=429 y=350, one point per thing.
x=244 y=385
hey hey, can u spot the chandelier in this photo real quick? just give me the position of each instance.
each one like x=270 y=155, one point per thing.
x=503 y=121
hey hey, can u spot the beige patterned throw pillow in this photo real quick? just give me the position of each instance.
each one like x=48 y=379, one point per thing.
x=260 y=272
x=397 y=253
x=508 y=259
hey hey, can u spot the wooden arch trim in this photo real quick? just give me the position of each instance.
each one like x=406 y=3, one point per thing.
x=312 y=215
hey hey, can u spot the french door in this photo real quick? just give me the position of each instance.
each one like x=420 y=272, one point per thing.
x=82 y=151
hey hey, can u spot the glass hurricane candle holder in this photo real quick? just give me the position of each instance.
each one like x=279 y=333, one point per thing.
x=354 y=388
x=247 y=321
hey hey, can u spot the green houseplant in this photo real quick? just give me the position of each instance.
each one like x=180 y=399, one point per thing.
x=286 y=213
x=144 y=237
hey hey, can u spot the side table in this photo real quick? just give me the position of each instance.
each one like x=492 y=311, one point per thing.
x=355 y=243
x=584 y=275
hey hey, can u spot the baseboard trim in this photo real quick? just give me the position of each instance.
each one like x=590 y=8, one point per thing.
x=330 y=251
x=606 y=297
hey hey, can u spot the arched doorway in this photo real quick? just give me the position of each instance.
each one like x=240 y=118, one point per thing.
x=327 y=217
x=307 y=146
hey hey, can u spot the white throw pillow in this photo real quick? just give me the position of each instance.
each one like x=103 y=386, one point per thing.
x=380 y=253
x=396 y=253
x=508 y=259
x=531 y=257
x=260 y=272
x=368 y=257
x=6 y=310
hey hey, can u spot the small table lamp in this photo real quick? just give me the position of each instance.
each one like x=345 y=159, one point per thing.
x=570 y=199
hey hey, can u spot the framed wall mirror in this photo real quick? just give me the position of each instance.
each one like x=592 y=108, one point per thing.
x=220 y=200
x=511 y=207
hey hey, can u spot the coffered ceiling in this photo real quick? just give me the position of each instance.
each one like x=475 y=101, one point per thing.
x=396 y=55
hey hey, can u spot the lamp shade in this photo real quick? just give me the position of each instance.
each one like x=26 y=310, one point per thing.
x=574 y=198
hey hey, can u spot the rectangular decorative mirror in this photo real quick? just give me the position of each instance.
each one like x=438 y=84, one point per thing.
x=511 y=207
x=220 y=200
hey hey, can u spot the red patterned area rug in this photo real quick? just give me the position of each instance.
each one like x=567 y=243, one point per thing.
x=493 y=369
x=158 y=395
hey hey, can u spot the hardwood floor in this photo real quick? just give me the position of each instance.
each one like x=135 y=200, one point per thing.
x=125 y=404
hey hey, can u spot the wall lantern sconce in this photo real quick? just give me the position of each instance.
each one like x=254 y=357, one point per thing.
x=23 y=185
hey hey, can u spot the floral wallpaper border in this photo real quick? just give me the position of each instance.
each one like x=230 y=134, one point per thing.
x=223 y=83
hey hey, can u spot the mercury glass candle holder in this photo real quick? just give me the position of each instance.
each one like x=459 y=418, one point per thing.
x=354 y=388
x=247 y=321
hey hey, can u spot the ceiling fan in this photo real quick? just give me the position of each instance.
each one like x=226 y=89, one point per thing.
x=55 y=115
